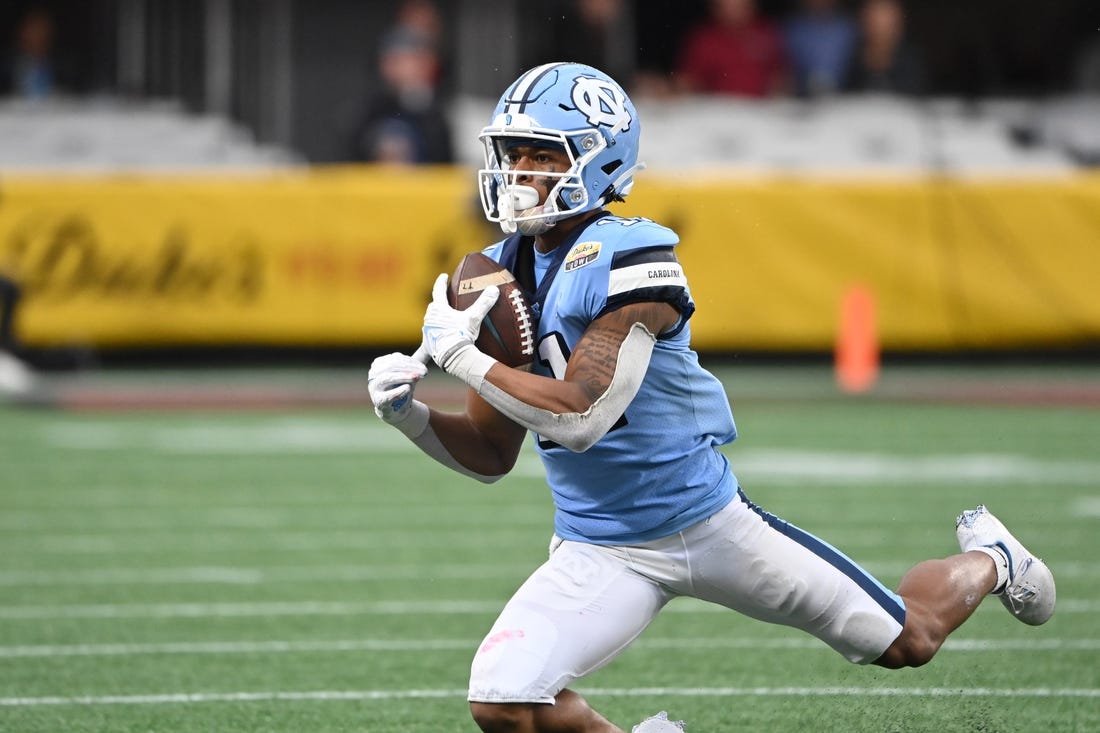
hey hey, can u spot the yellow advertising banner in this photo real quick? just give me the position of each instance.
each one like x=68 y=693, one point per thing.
x=320 y=258
x=346 y=257
x=950 y=264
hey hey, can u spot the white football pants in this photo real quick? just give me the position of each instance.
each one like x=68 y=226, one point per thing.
x=587 y=603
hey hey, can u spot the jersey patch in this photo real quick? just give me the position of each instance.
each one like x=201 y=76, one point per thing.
x=582 y=254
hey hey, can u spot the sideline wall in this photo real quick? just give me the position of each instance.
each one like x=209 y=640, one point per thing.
x=346 y=257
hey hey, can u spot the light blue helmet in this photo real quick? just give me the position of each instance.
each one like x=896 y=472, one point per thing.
x=564 y=106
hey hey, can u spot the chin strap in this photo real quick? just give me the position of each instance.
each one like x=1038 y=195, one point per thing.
x=525 y=200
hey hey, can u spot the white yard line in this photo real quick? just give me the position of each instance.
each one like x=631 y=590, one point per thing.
x=320 y=436
x=259 y=609
x=199 y=540
x=290 y=435
x=844 y=692
x=422 y=645
x=761 y=465
x=239 y=575
x=947 y=469
x=348 y=608
x=236 y=647
x=177 y=698
x=233 y=575
x=1087 y=506
x=354 y=695
x=215 y=514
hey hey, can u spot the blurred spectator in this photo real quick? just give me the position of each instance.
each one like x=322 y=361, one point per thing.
x=820 y=40
x=29 y=70
x=423 y=18
x=406 y=122
x=594 y=32
x=1087 y=71
x=735 y=51
x=885 y=60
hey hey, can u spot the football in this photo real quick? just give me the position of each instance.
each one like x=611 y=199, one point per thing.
x=508 y=331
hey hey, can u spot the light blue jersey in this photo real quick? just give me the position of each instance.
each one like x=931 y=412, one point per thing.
x=658 y=470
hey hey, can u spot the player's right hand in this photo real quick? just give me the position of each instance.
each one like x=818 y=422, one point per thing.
x=391 y=381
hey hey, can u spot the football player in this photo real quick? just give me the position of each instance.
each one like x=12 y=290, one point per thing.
x=16 y=378
x=628 y=426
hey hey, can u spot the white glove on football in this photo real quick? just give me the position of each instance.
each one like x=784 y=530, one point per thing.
x=391 y=381
x=446 y=330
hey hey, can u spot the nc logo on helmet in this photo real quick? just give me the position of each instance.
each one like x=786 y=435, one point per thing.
x=601 y=103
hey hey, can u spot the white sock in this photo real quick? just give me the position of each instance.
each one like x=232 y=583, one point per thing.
x=1000 y=560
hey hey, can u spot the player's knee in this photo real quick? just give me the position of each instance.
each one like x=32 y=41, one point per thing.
x=913 y=648
x=499 y=717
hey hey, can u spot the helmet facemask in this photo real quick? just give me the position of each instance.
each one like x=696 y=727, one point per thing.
x=515 y=206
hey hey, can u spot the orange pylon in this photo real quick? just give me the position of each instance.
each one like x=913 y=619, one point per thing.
x=856 y=355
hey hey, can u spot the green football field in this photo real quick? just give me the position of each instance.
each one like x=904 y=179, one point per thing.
x=301 y=569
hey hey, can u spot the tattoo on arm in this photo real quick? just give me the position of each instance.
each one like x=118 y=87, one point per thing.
x=593 y=362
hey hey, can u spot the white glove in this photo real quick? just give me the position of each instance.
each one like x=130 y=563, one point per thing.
x=391 y=381
x=446 y=330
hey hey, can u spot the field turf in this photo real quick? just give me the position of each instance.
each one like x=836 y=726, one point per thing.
x=302 y=569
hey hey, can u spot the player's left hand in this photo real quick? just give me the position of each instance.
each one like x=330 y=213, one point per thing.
x=391 y=381
x=446 y=330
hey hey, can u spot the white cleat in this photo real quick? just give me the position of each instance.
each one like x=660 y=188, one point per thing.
x=659 y=723
x=1026 y=587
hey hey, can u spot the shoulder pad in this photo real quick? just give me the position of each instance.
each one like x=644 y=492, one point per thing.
x=630 y=233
